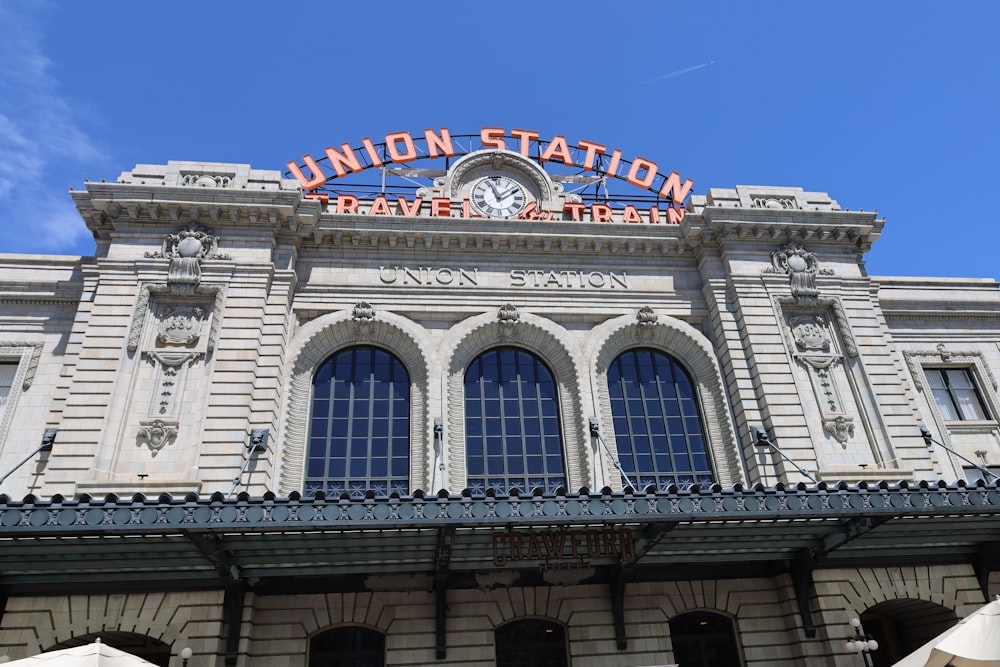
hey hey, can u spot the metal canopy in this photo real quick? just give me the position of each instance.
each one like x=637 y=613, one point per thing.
x=279 y=545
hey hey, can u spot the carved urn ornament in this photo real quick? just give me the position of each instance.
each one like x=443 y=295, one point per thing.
x=801 y=267
x=185 y=250
x=645 y=320
x=363 y=316
x=508 y=317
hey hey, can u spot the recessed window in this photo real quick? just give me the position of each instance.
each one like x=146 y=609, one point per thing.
x=955 y=394
x=658 y=425
x=512 y=430
x=359 y=436
x=531 y=643
x=348 y=646
x=704 y=639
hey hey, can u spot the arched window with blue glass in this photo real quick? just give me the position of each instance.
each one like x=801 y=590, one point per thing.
x=512 y=426
x=359 y=437
x=658 y=425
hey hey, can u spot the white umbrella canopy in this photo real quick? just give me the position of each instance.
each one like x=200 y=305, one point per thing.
x=973 y=642
x=88 y=655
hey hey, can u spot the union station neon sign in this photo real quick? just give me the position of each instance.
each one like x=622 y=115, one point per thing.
x=588 y=157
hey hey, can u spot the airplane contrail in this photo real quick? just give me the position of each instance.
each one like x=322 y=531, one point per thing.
x=671 y=75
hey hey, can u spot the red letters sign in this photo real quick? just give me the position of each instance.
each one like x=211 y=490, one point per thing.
x=402 y=147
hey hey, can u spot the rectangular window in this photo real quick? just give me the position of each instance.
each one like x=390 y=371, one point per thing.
x=955 y=394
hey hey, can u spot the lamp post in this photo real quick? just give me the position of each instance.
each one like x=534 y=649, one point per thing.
x=186 y=654
x=861 y=642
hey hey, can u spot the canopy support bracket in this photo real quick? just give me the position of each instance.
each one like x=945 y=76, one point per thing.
x=442 y=558
x=232 y=604
x=617 y=585
x=801 y=571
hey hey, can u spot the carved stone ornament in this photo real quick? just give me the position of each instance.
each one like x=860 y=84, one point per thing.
x=801 y=267
x=840 y=427
x=646 y=320
x=810 y=333
x=508 y=317
x=156 y=434
x=206 y=180
x=815 y=351
x=185 y=250
x=142 y=307
x=181 y=326
x=363 y=316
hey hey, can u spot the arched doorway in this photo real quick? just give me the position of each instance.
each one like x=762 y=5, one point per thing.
x=903 y=626
x=142 y=646
x=531 y=642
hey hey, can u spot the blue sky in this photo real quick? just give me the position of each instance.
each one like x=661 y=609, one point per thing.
x=885 y=105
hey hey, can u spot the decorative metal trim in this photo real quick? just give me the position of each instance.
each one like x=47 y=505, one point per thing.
x=165 y=513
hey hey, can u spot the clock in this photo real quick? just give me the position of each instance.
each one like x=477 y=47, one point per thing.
x=498 y=197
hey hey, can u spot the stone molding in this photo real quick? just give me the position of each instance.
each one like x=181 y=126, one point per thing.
x=140 y=311
x=327 y=334
x=694 y=351
x=27 y=355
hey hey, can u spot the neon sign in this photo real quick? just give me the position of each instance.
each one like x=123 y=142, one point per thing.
x=404 y=147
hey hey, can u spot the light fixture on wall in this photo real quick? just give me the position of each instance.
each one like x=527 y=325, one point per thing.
x=186 y=654
x=258 y=443
x=925 y=433
x=764 y=440
x=861 y=642
x=48 y=439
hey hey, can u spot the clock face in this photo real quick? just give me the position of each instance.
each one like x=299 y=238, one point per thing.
x=498 y=197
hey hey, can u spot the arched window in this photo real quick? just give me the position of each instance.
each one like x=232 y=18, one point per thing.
x=348 y=646
x=512 y=431
x=142 y=646
x=531 y=643
x=658 y=426
x=359 y=437
x=704 y=639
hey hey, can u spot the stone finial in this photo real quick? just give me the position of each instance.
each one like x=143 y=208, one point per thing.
x=508 y=317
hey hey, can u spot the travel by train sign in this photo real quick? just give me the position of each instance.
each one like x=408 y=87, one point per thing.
x=582 y=172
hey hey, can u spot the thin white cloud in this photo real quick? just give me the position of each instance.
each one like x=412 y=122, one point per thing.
x=38 y=135
x=670 y=75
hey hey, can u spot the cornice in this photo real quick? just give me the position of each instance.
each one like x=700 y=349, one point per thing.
x=718 y=225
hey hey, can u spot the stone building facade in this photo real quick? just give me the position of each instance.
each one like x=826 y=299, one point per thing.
x=166 y=393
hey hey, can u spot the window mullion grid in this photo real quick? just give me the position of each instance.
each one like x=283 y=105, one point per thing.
x=661 y=402
x=687 y=434
x=482 y=423
x=520 y=416
x=628 y=412
x=390 y=431
x=371 y=417
x=349 y=431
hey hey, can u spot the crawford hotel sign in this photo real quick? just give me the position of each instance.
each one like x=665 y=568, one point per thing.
x=500 y=174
